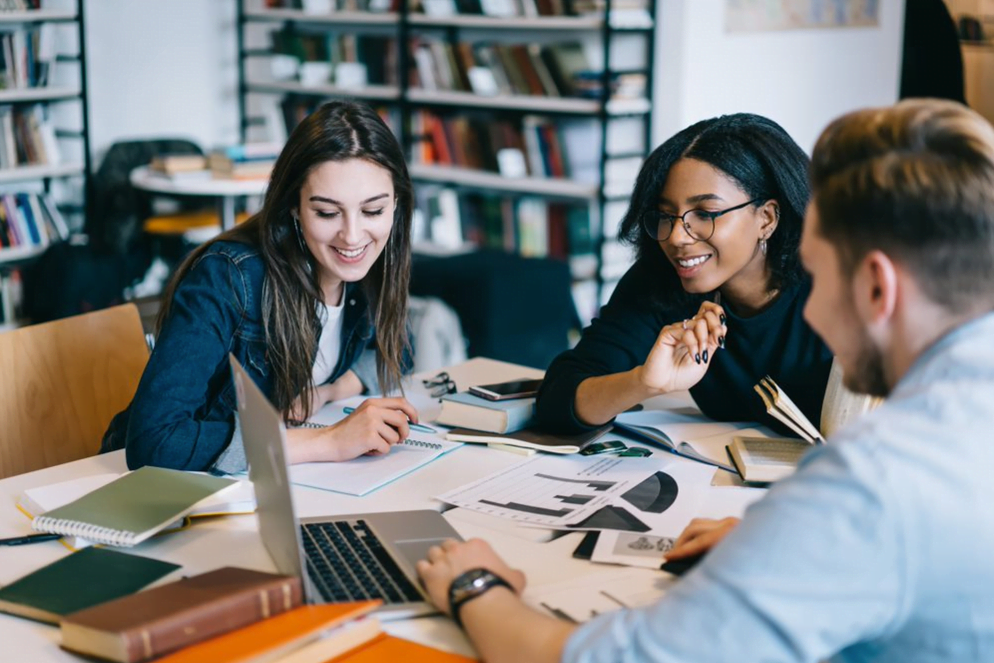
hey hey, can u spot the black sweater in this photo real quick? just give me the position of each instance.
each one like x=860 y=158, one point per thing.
x=776 y=342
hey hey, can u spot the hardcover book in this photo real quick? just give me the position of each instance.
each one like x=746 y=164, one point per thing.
x=80 y=580
x=173 y=616
x=464 y=410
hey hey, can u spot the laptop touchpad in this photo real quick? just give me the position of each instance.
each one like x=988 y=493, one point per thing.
x=415 y=549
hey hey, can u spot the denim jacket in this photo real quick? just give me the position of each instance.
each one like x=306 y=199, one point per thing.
x=183 y=413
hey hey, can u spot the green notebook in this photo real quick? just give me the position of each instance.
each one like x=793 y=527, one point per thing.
x=132 y=508
x=81 y=580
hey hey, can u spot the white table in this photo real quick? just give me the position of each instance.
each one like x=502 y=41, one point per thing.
x=234 y=540
x=225 y=191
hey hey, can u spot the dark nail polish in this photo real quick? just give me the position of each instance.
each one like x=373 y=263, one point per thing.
x=697 y=357
x=705 y=356
x=722 y=318
x=721 y=342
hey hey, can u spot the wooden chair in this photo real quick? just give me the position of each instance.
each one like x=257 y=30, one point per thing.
x=63 y=382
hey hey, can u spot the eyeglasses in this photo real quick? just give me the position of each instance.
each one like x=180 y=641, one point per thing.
x=440 y=385
x=698 y=223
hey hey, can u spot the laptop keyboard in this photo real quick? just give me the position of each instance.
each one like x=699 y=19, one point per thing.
x=347 y=562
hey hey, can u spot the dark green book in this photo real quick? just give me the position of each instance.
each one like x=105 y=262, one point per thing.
x=81 y=580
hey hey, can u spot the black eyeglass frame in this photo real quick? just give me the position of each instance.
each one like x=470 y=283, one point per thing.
x=657 y=218
x=440 y=385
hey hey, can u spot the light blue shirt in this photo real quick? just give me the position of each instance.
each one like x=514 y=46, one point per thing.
x=880 y=547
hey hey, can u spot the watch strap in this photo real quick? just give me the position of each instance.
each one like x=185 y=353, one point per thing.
x=482 y=586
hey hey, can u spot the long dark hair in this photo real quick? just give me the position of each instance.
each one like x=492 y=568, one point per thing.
x=336 y=131
x=765 y=162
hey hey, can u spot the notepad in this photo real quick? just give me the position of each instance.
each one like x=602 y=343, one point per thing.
x=133 y=507
x=367 y=473
x=80 y=580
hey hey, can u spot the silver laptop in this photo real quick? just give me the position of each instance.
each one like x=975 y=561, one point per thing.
x=338 y=558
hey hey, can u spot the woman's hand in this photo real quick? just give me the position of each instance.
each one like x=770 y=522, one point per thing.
x=451 y=559
x=683 y=350
x=375 y=426
x=700 y=536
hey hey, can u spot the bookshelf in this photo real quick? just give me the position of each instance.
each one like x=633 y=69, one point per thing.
x=426 y=87
x=44 y=135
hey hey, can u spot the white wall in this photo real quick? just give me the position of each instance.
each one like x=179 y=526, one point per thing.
x=799 y=78
x=161 y=69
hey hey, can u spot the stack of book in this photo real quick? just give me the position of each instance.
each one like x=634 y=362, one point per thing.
x=251 y=161
x=179 y=165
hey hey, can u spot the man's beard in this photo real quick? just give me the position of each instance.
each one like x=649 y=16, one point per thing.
x=867 y=376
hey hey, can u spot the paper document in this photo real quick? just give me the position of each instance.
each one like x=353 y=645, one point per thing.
x=592 y=493
x=586 y=597
x=632 y=549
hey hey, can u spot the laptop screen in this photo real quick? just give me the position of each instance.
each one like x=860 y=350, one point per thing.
x=264 y=436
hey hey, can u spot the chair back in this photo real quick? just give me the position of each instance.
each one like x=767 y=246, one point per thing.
x=63 y=382
x=841 y=405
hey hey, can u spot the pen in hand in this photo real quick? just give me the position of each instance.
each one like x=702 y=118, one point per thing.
x=29 y=538
x=418 y=427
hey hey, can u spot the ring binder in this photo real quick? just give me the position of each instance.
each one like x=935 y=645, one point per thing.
x=421 y=443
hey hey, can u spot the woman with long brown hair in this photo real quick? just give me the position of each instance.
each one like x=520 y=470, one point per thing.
x=310 y=295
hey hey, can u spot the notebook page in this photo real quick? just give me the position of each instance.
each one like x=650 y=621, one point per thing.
x=367 y=473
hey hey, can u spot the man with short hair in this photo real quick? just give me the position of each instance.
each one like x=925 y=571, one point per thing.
x=880 y=546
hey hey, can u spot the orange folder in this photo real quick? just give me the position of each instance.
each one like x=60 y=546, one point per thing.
x=388 y=648
x=278 y=635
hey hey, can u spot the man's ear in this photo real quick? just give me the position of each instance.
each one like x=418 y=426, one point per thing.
x=875 y=286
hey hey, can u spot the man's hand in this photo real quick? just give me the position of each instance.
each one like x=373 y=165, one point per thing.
x=451 y=559
x=701 y=535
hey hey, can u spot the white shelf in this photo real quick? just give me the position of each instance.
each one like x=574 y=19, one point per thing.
x=36 y=15
x=367 y=92
x=543 y=186
x=336 y=18
x=581 y=23
x=529 y=103
x=16 y=95
x=20 y=253
x=21 y=173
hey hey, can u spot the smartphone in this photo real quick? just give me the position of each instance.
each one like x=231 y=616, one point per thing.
x=603 y=448
x=503 y=391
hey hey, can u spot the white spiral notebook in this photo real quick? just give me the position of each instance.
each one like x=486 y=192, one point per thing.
x=132 y=508
x=367 y=473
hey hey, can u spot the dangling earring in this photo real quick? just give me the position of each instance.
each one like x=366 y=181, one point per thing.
x=762 y=246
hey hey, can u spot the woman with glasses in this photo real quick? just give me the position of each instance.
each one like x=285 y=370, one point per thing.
x=310 y=295
x=715 y=299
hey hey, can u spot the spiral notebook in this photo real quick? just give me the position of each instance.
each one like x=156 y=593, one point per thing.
x=132 y=508
x=367 y=473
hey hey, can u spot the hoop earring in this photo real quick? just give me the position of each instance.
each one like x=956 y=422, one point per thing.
x=762 y=246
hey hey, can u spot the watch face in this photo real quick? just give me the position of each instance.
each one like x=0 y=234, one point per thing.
x=472 y=579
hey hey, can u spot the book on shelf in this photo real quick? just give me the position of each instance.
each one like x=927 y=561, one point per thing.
x=78 y=581
x=176 y=615
x=27 y=137
x=133 y=507
x=464 y=410
x=308 y=634
x=30 y=220
x=27 y=56
x=534 y=438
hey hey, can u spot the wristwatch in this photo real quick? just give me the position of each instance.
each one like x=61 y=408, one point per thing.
x=469 y=585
